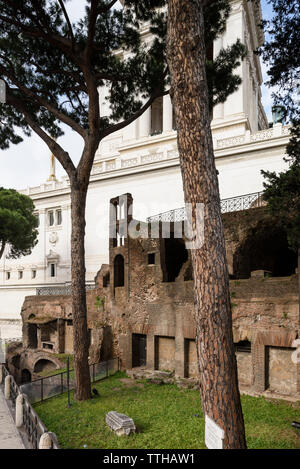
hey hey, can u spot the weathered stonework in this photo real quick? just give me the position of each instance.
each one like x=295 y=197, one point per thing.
x=142 y=308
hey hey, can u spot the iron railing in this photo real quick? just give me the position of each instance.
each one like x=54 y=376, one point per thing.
x=14 y=390
x=242 y=202
x=4 y=371
x=59 y=290
x=55 y=385
x=45 y=388
x=33 y=426
x=233 y=204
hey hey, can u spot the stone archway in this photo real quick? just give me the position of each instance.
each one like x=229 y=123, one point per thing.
x=264 y=248
x=44 y=364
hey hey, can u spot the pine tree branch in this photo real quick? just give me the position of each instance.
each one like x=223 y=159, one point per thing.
x=68 y=73
x=67 y=20
x=91 y=30
x=43 y=102
x=62 y=43
x=30 y=16
x=107 y=7
x=121 y=125
x=61 y=155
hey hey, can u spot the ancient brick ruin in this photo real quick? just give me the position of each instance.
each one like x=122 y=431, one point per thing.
x=142 y=307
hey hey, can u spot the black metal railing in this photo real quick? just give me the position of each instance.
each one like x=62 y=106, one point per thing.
x=33 y=426
x=54 y=385
x=47 y=387
x=233 y=204
x=242 y=202
x=14 y=390
x=4 y=371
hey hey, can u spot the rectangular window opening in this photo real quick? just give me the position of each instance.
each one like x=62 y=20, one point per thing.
x=151 y=258
x=51 y=218
x=58 y=217
x=52 y=270
x=243 y=346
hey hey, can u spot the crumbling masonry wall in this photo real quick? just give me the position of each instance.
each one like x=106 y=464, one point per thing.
x=142 y=308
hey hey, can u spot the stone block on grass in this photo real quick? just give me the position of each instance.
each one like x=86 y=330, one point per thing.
x=121 y=424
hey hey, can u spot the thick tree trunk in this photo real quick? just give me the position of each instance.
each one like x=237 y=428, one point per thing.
x=79 y=309
x=299 y=284
x=216 y=355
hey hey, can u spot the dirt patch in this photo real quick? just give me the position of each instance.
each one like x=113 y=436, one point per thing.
x=131 y=382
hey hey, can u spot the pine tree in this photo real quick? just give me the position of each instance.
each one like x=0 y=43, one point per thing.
x=53 y=70
x=186 y=50
x=18 y=224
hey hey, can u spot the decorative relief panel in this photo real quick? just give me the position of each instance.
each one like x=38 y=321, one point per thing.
x=262 y=135
x=110 y=165
x=152 y=158
x=172 y=154
x=97 y=168
x=128 y=163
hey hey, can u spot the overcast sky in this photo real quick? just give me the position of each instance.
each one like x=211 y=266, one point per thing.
x=27 y=164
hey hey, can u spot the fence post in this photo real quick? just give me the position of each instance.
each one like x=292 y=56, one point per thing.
x=7 y=382
x=93 y=372
x=19 y=410
x=68 y=380
x=45 y=441
x=1 y=373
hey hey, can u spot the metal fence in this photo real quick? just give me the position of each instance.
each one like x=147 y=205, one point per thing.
x=4 y=371
x=32 y=424
x=233 y=204
x=243 y=202
x=50 y=386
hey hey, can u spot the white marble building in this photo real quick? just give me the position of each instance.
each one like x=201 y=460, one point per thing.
x=142 y=159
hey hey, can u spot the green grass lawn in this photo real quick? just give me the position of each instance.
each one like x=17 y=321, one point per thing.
x=164 y=416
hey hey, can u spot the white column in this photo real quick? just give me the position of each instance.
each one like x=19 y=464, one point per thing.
x=144 y=123
x=7 y=387
x=19 y=410
x=45 y=441
x=167 y=114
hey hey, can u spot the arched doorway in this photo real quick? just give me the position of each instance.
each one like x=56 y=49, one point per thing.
x=265 y=248
x=44 y=365
x=119 y=271
x=25 y=376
